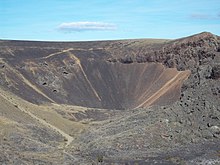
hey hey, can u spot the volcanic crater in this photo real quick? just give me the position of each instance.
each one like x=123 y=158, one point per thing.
x=84 y=77
x=62 y=102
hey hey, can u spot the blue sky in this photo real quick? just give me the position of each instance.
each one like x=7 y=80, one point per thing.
x=77 y=20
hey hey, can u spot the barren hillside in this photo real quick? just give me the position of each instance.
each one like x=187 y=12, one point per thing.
x=127 y=101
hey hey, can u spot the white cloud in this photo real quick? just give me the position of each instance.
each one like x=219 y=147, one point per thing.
x=86 y=26
x=200 y=16
x=204 y=16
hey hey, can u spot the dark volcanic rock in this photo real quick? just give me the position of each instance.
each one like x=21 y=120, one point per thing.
x=138 y=76
x=215 y=72
x=87 y=76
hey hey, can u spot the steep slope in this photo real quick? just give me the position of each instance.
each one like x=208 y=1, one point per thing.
x=85 y=77
x=186 y=132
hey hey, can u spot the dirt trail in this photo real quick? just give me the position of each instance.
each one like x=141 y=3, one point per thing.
x=58 y=53
x=166 y=87
x=84 y=74
x=65 y=135
x=28 y=83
